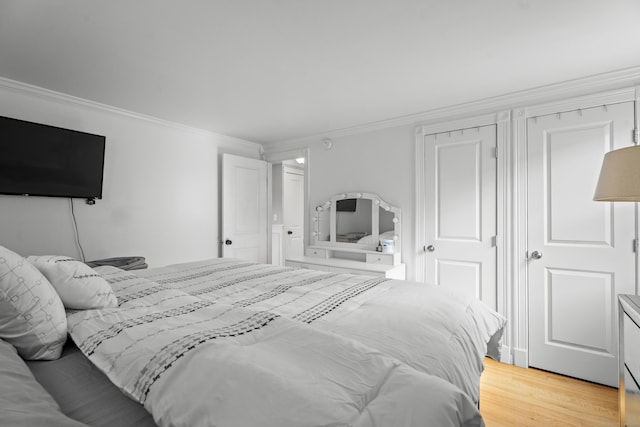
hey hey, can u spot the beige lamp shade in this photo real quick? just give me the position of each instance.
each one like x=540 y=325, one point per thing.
x=620 y=176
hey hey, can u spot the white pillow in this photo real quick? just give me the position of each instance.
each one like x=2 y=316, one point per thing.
x=79 y=286
x=32 y=317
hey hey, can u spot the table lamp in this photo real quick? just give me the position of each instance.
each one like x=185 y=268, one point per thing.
x=620 y=176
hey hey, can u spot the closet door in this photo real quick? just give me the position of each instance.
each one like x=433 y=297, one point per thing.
x=580 y=252
x=460 y=216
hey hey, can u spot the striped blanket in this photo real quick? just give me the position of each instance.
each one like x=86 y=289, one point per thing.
x=228 y=342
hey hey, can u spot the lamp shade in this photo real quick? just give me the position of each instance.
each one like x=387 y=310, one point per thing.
x=620 y=176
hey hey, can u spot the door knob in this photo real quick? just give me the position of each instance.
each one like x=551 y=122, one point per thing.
x=228 y=242
x=536 y=255
x=431 y=248
x=289 y=232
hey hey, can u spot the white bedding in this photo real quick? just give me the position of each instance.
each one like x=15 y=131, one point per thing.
x=368 y=239
x=226 y=342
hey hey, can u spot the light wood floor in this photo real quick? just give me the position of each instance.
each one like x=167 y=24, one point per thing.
x=512 y=396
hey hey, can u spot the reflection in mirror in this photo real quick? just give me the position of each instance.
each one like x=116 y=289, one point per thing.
x=322 y=219
x=353 y=220
x=386 y=224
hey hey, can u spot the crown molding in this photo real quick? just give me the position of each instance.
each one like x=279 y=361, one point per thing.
x=230 y=141
x=571 y=88
x=468 y=122
x=51 y=95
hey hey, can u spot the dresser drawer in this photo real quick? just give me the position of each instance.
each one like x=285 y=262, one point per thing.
x=380 y=258
x=315 y=253
x=631 y=346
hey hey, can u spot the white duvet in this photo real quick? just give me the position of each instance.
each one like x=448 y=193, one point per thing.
x=230 y=343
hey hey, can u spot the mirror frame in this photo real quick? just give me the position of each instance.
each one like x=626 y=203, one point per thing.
x=376 y=204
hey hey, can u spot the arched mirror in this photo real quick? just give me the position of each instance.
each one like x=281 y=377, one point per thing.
x=357 y=221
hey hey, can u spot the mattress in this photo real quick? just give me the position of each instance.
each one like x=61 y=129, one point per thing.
x=85 y=394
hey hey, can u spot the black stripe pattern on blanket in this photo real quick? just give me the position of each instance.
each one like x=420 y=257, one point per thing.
x=175 y=311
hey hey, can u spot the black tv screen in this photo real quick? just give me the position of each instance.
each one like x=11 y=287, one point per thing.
x=346 y=205
x=42 y=160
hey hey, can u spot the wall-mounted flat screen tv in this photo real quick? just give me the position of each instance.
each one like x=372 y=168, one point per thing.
x=42 y=160
x=346 y=205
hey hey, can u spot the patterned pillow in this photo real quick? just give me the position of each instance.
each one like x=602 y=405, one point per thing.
x=32 y=317
x=79 y=286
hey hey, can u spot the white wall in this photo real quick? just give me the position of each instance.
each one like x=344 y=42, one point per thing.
x=160 y=192
x=380 y=162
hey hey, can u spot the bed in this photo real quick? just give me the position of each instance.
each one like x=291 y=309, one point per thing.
x=228 y=342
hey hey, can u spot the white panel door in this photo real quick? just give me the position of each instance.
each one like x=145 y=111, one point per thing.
x=580 y=252
x=244 y=208
x=293 y=211
x=460 y=174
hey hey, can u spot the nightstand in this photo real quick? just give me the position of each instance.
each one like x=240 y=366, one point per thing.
x=629 y=360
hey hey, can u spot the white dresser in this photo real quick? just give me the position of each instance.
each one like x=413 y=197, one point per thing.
x=356 y=233
x=629 y=357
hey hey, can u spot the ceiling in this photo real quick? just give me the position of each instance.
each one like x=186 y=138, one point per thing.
x=277 y=70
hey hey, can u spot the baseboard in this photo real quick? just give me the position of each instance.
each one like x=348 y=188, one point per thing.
x=521 y=357
x=505 y=355
x=514 y=356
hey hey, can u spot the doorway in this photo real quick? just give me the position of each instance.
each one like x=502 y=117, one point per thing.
x=244 y=208
x=288 y=209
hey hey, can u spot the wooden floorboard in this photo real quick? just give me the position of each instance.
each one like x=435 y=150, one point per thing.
x=512 y=396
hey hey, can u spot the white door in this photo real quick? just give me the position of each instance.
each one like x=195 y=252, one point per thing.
x=244 y=208
x=580 y=252
x=460 y=174
x=293 y=211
